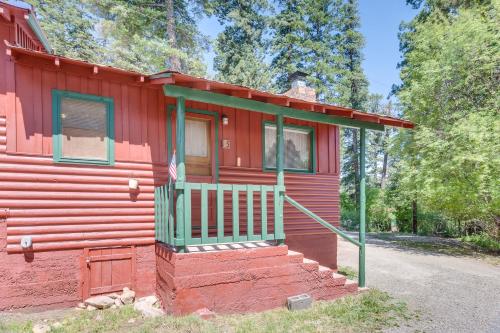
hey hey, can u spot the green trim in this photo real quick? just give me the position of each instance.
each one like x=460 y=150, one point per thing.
x=362 y=206
x=33 y=23
x=171 y=108
x=312 y=150
x=57 y=96
x=248 y=104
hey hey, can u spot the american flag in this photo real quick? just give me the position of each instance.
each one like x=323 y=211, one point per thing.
x=172 y=168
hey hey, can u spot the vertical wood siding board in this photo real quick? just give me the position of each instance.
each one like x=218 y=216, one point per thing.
x=134 y=124
x=94 y=87
x=256 y=140
x=229 y=156
x=38 y=110
x=331 y=150
x=114 y=91
x=10 y=105
x=162 y=128
x=73 y=83
x=4 y=63
x=84 y=85
x=49 y=82
x=322 y=155
x=24 y=109
x=144 y=115
x=242 y=137
x=152 y=135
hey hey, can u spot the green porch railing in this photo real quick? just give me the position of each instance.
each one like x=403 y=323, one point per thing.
x=164 y=222
x=360 y=244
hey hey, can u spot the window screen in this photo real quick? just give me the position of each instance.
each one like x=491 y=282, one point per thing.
x=297 y=148
x=83 y=129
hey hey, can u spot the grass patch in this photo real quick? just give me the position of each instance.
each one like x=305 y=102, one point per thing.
x=348 y=272
x=371 y=311
x=484 y=242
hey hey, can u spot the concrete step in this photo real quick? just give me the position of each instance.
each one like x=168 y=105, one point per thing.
x=295 y=257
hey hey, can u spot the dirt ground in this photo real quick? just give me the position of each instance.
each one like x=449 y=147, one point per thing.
x=451 y=291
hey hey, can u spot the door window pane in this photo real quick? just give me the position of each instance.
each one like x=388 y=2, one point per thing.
x=196 y=137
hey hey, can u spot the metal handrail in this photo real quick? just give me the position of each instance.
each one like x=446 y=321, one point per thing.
x=321 y=221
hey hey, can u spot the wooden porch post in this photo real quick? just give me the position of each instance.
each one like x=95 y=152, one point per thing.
x=180 y=138
x=362 y=207
x=280 y=178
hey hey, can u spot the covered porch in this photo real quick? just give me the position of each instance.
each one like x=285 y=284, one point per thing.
x=261 y=204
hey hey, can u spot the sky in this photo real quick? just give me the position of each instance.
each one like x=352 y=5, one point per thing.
x=380 y=21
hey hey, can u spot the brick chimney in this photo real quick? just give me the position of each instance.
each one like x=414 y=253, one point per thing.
x=299 y=88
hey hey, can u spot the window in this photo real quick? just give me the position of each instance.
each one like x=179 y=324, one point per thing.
x=299 y=147
x=198 y=161
x=83 y=128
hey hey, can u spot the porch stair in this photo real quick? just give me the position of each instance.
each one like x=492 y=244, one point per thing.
x=246 y=279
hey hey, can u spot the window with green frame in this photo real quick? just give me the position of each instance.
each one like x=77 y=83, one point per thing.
x=299 y=147
x=83 y=128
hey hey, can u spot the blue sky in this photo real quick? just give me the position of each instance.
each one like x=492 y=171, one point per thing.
x=380 y=21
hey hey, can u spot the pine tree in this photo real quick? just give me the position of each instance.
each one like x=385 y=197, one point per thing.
x=240 y=49
x=304 y=39
x=151 y=35
x=69 y=28
x=352 y=89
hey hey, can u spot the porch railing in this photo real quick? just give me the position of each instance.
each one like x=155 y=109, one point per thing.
x=184 y=236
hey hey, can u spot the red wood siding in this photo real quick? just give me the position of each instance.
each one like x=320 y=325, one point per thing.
x=67 y=206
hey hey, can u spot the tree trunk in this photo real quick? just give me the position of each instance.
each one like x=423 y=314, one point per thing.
x=384 y=167
x=414 y=217
x=174 y=61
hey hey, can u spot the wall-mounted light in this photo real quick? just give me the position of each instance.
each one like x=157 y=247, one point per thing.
x=133 y=184
x=225 y=120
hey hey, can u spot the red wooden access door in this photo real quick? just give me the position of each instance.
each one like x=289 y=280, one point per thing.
x=106 y=270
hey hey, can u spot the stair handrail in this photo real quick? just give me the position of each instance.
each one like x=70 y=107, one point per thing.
x=321 y=221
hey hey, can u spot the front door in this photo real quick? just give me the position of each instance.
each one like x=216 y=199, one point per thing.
x=201 y=149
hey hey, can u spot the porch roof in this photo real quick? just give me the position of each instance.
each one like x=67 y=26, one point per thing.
x=283 y=101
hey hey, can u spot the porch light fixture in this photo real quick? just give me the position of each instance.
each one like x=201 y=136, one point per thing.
x=133 y=184
x=225 y=120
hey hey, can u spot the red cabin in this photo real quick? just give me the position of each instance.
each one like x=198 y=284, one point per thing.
x=88 y=206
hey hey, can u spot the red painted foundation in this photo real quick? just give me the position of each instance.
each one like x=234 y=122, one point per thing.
x=243 y=280
x=45 y=280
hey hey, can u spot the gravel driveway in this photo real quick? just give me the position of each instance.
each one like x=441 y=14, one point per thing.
x=450 y=293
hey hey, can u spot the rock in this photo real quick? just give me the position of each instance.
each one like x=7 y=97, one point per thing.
x=100 y=302
x=113 y=306
x=41 y=328
x=127 y=296
x=81 y=305
x=118 y=302
x=151 y=300
x=114 y=295
x=205 y=313
x=91 y=308
x=147 y=309
x=131 y=320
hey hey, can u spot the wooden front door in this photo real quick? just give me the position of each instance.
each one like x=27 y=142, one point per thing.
x=201 y=145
